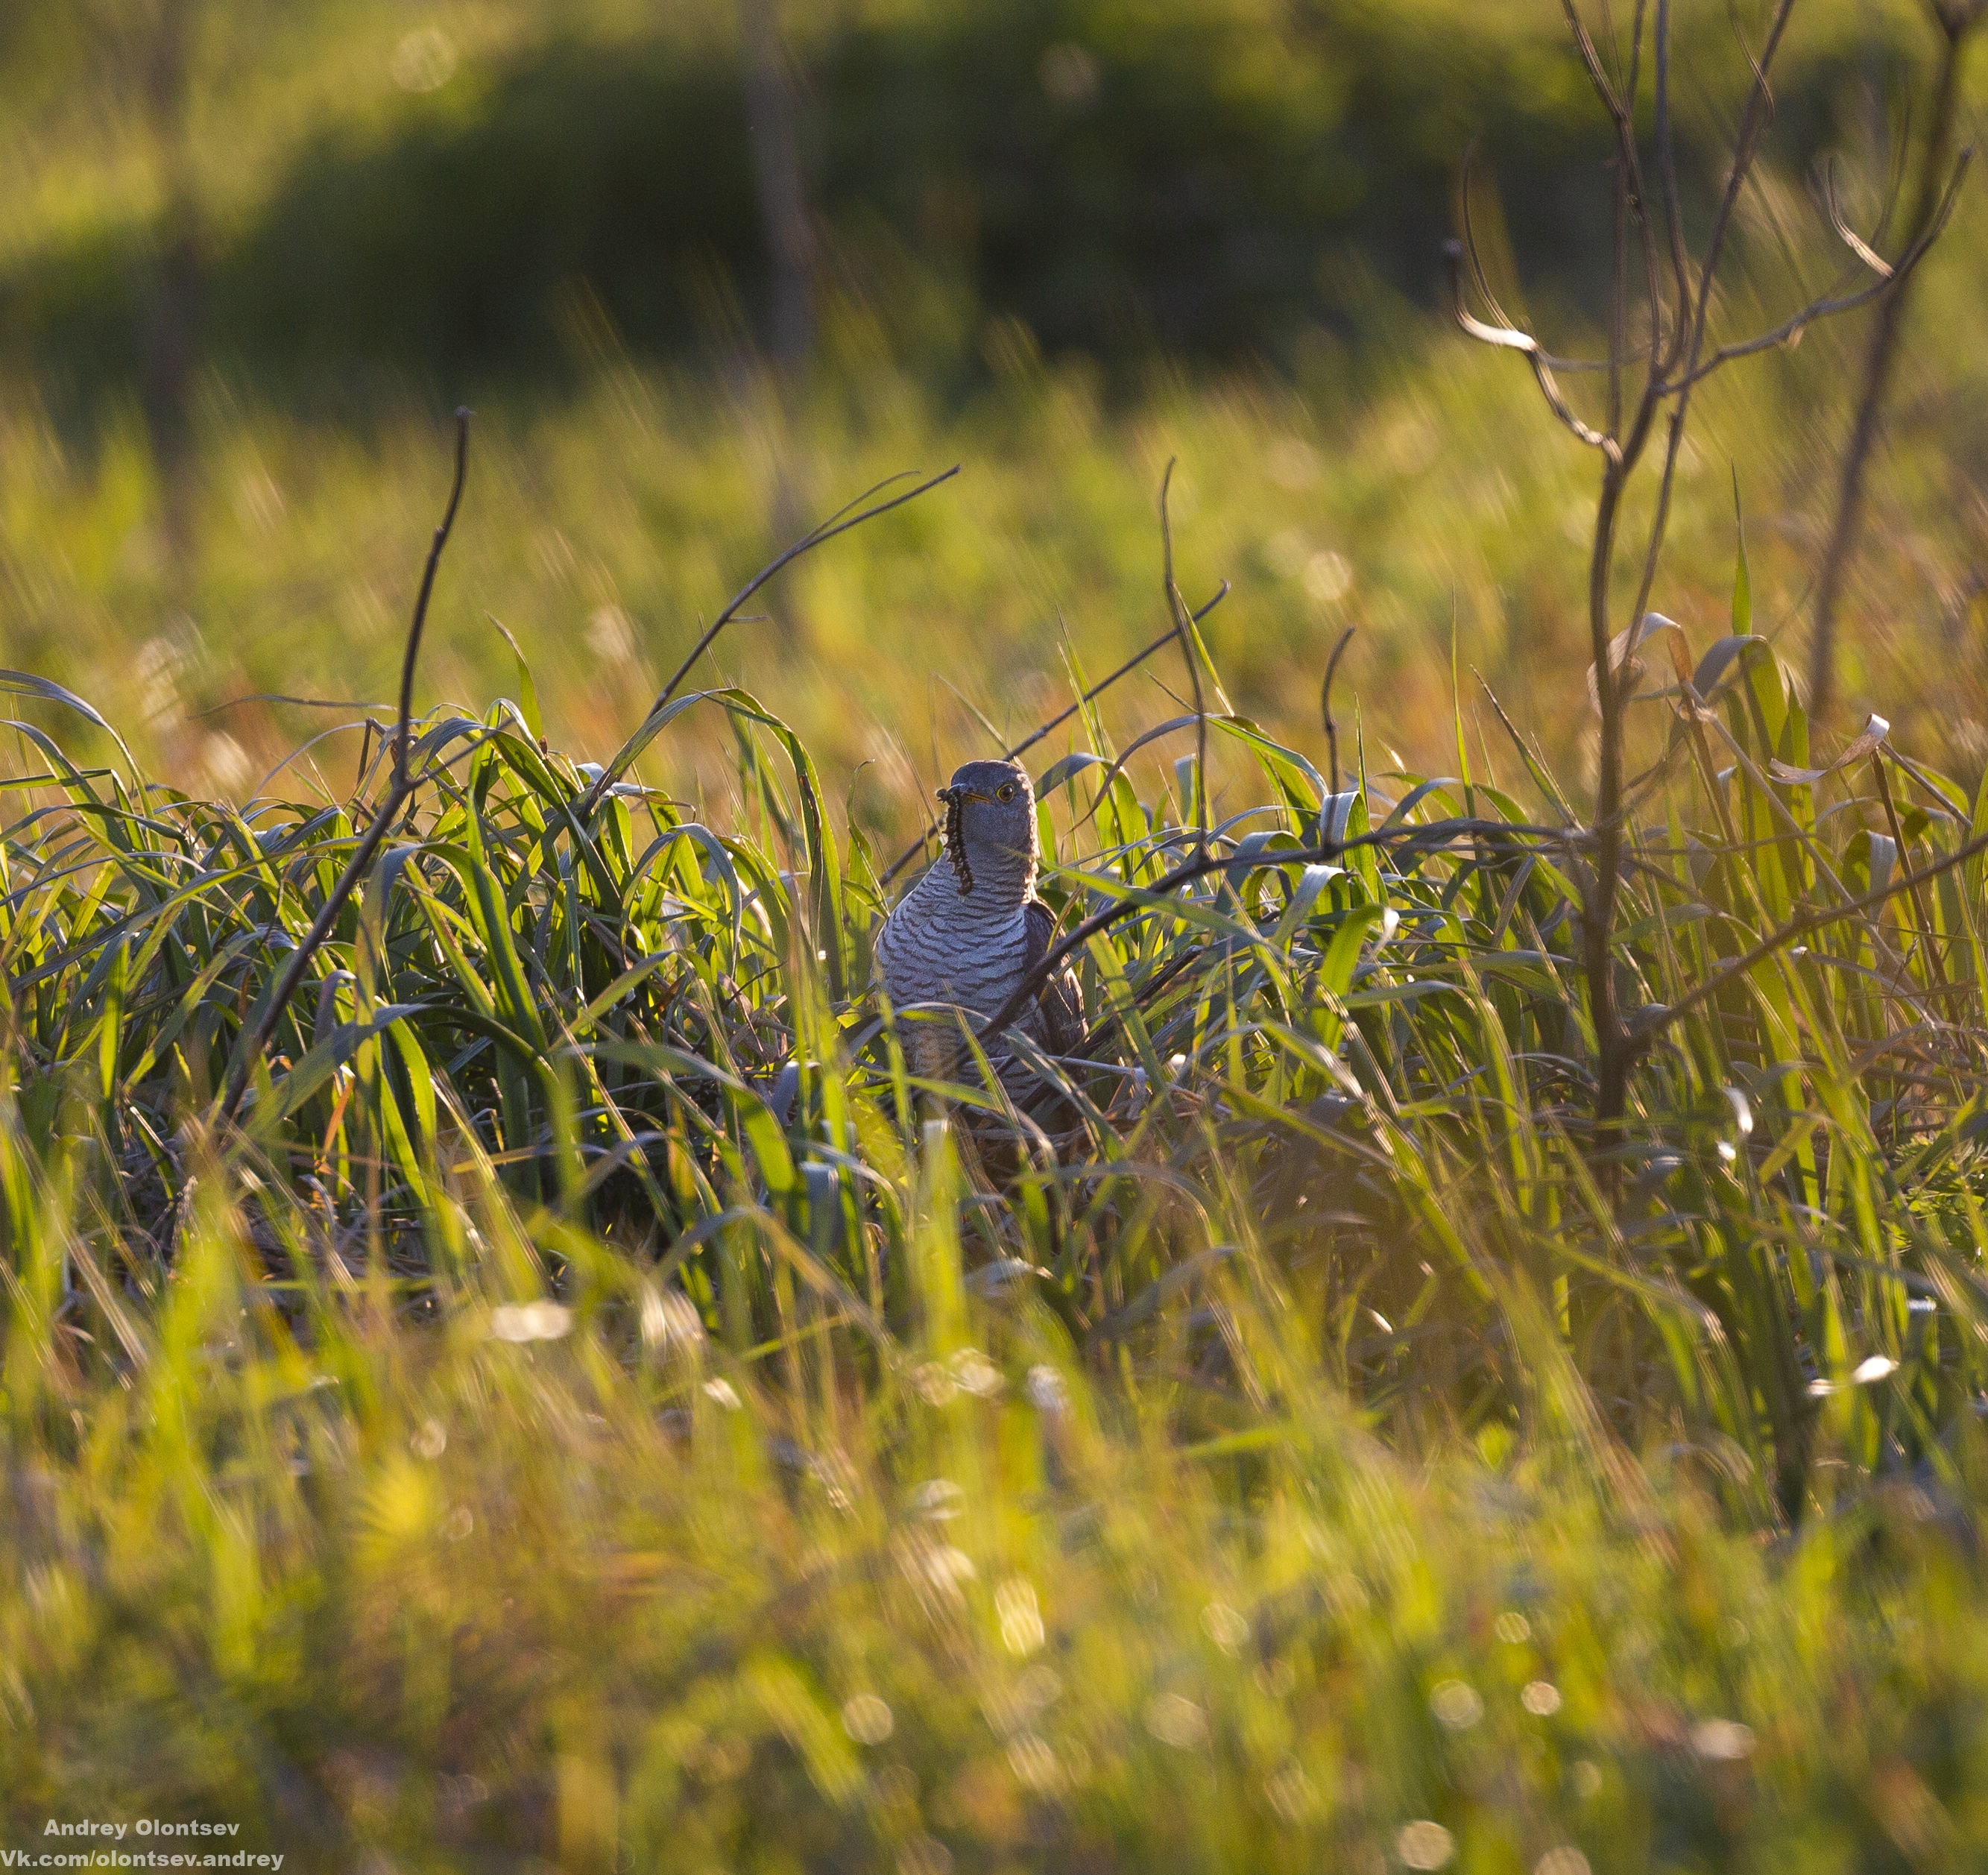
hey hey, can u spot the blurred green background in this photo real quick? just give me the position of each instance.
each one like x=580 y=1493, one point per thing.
x=707 y=269
x=252 y=254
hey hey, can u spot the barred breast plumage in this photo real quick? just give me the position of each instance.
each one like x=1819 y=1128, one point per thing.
x=965 y=935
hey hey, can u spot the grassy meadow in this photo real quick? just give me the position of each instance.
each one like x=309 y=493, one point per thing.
x=593 y=1408
x=1434 y=507
x=549 y=1386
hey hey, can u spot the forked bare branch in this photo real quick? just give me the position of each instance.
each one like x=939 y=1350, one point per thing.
x=1500 y=317
x=1510 y=338
x=1631 y=197
x=1680 y=356
x=1891 y=274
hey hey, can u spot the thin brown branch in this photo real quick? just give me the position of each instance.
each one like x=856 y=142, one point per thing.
x=1433 y=833
x=1892 y=274
x=1184 y=629
x=398 y=795
x=1131 y=663
x=1929 y=211
x=1511 y=339
x=1753 y=122
x=1629 y=196
x=1325 y=702
x=404 y=716
x=1500 y=317
x=840 y=523
x=1668 y=179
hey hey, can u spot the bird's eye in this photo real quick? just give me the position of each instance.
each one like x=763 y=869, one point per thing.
x=1005 y=792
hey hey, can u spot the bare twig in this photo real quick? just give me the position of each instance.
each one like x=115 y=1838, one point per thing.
x=402 y=786
x=1689 y=340
x=1499 y=315
x=1891 y=275
x=1930 y=207
x=404 y=716
x=1325 y=703
x=1433 y=833
x=840 y=523
x=1131 y=663
x=272 y=696
x=1629 y=197
x=1622 y=446
x=1680 y=258
x=1511 y=339
x=1184 y=629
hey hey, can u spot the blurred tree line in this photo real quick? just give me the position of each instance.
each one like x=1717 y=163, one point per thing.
x=1222 y=178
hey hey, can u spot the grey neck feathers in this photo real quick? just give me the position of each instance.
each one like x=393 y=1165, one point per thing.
x=992 y=879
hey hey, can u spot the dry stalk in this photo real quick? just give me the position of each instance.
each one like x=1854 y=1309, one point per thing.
x=398 y=795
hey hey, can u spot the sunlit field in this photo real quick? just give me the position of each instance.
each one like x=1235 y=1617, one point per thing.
x=1478 y=1359
x=1369 y=469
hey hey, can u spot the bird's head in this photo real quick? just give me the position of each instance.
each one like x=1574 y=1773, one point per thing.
x=990 y=828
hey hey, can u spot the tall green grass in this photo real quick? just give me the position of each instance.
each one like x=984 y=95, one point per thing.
x=597 y=1405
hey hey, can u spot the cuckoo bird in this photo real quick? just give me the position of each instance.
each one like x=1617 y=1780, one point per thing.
x=966 y=934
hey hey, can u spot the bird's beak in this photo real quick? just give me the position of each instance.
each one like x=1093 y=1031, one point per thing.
x=964 y=795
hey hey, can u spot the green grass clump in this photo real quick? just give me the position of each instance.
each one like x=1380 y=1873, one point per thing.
x=596 y=1404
